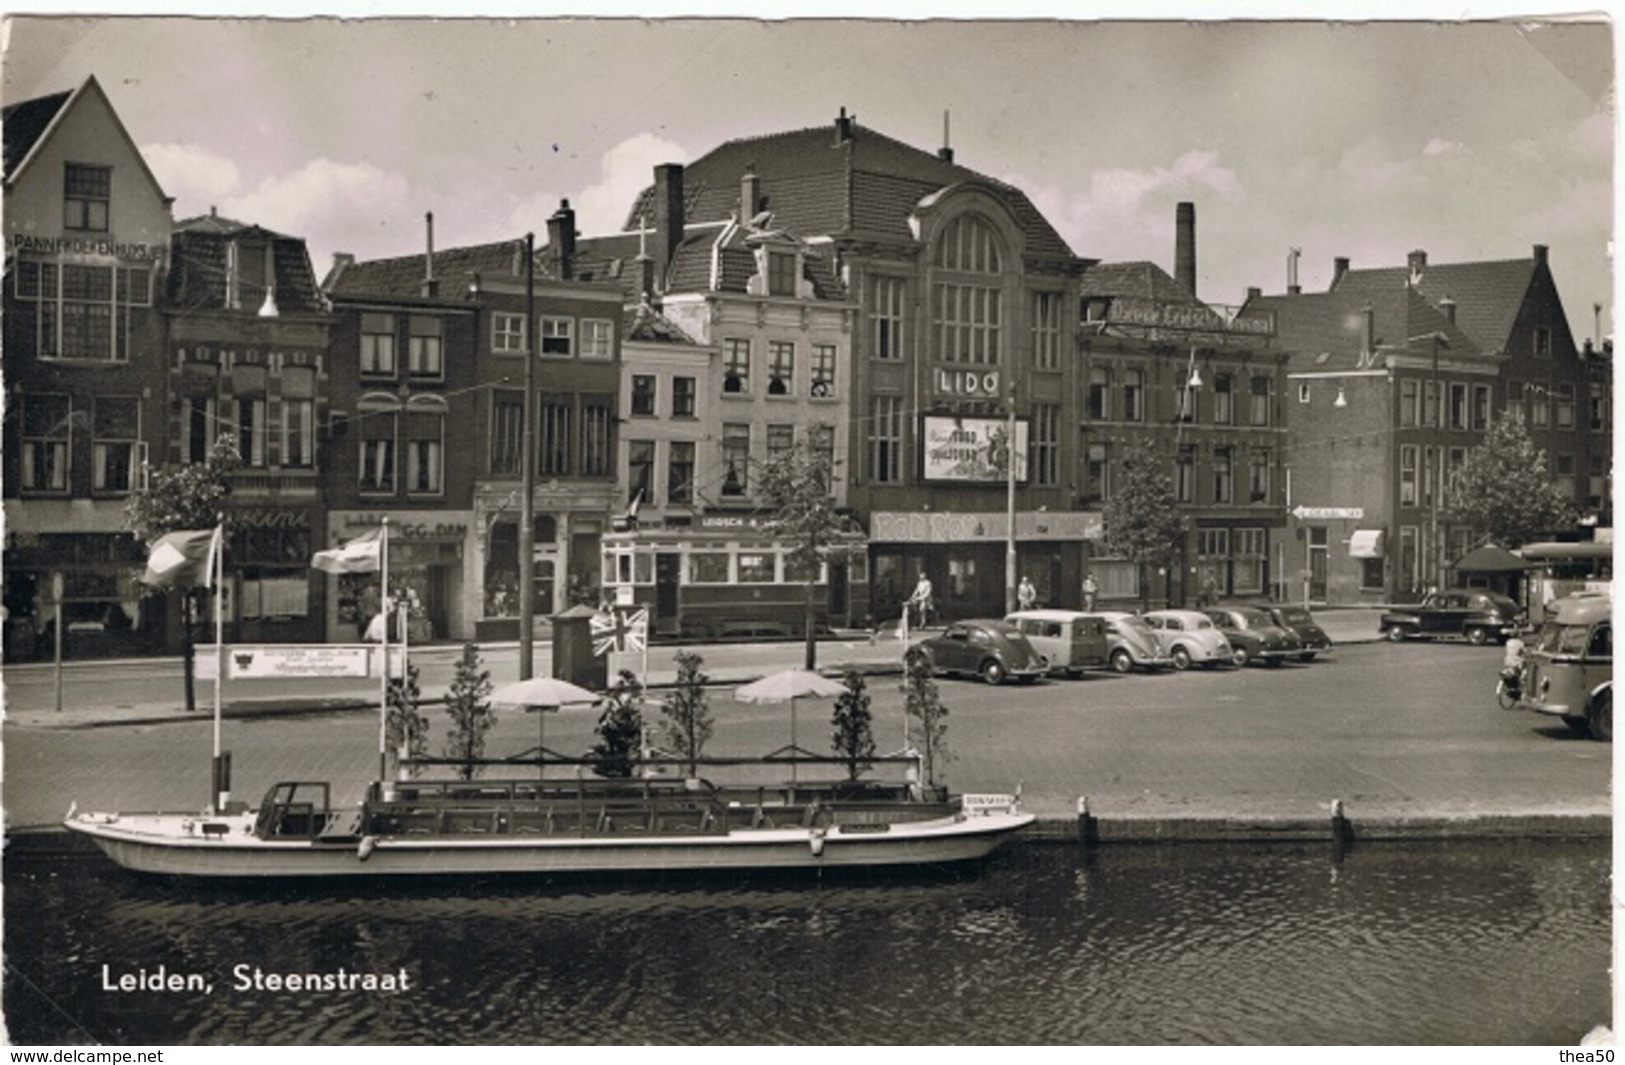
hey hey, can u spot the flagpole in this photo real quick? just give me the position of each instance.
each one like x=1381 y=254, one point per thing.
x=383 y=678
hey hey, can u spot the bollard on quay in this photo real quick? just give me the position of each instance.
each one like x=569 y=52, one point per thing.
x=1088 y=830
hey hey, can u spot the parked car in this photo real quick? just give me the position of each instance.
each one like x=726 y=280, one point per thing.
x=990 y=649
x=1301 y=623
x=1473 y=613
x=1254 y=636
x=1131 y=643
x=1071 y=641
x=1190 y=637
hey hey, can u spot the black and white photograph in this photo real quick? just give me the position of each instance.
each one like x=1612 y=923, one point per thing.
x=840 y=527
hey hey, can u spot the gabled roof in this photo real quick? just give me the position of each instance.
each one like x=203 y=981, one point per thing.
x=1324 y=332
x=1488 y=295
x=35 y=119
x=454 y=269
x=1137 y=280
x=25 y=123
x=815 y=185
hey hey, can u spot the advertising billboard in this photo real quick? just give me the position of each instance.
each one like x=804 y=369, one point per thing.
x=968 y=449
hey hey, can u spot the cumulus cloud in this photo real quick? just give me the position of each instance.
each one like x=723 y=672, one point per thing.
x=193 y=174
x=623 y=172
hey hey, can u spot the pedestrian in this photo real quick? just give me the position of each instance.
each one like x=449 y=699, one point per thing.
x=921 y=598
x=1210 y=589
x=1090 y=590
x=1027 y=595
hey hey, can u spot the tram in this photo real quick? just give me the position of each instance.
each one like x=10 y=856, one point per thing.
x=725 y=578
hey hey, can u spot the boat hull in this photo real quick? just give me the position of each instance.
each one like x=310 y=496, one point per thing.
x=170 y=844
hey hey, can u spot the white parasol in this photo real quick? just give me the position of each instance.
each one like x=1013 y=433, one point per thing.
x=542 y=694
x=788 y=686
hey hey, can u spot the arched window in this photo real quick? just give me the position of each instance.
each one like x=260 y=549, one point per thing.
x=969 y=302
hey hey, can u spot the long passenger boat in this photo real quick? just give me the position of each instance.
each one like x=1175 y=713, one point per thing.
x=539 y=826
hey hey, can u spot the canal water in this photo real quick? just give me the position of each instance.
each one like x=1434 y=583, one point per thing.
x=1443 y=943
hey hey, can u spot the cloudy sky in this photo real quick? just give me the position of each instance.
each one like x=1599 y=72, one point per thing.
x=1471 y=140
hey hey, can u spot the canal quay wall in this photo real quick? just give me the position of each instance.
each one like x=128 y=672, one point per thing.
x=1258 y=812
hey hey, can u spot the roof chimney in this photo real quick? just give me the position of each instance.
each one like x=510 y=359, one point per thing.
x=1368 y=335
x=946 y=152
x=431 y=284
x=750 y=193
x=1292 y=286
x=1448 y=306
x=561 y=240
x=1254 y=292
x=1540 y=255
x=1340 y=266
x=1185 y=246
x=668 y=215
x=1417 y=261
x=843 y=127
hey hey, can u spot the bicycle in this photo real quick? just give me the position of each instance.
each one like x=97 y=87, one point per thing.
x=1509 y=689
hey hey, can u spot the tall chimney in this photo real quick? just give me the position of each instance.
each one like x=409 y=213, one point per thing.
x=1540 y=255
x=1340 y=266
x=668 y=215
x=1185 y=246
x=431 y=284
x=946 y=152
x=1417 y=261
x=561 y=240
x=1368 y=333
x=750 y=193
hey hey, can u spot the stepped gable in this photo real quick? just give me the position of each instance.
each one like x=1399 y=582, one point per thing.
x=1488 y=295
x=24 y=123
x=815 y=186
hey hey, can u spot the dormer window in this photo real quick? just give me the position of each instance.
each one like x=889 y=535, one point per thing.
x=781 y=273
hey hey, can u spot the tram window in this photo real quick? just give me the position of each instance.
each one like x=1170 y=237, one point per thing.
x=755 y=569
x=708 y=567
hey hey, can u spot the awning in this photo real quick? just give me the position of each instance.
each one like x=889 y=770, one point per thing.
x=1491 y=559
x=1366 y=543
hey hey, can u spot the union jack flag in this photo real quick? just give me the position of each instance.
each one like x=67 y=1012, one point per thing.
x=618 y=629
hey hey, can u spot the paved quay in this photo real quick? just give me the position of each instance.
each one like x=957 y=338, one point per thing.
x=124 y=746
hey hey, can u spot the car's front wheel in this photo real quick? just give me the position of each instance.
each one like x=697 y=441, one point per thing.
x=1122 y=661
x=1239 y=656
x=993 y=671
x=1181 y=656
x=1396 y=634
x=1478 y=636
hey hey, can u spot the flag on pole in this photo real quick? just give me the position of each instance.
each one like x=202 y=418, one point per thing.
x=361 y=555
x=617 y=630
x=183 y=559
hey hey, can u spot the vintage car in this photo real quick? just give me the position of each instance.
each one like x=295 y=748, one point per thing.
x=1190 y=637
x=1131 y=643
x=991 y=649
x=1300 y=622
x=1569 y=671
x=1071 y=641
x=1254 y=636
x=1473 y=613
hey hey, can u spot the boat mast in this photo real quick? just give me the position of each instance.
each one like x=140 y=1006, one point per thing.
x=217 y=577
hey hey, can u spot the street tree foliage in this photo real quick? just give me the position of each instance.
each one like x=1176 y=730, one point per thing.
x=797 y=485
x=853 y=739
x=468 y=701
x=405 y=728
x=176 y=498
x=1142 y=519
x=923 y=704
x=620 y=727
x=1504 y=490
x=687 y=709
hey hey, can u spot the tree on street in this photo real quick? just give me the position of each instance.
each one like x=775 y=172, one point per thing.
x=923 y=703
x=853 y=738
x=1505 y=490
x=1142 y=519
x=620 y=727
x=468 y=701
x=796 y=484
x=687 y=709
x=190 y=496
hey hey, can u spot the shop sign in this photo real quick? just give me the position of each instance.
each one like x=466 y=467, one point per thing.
x=966 y=384
x=421 y=526
x=1188 y=317
x=942 y=527
x=971 y=449
x=86 y=246
x=286 y=661
x=728 y=521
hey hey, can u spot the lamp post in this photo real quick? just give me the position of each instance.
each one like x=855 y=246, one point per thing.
x=1010 y=499
x=527 y=475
